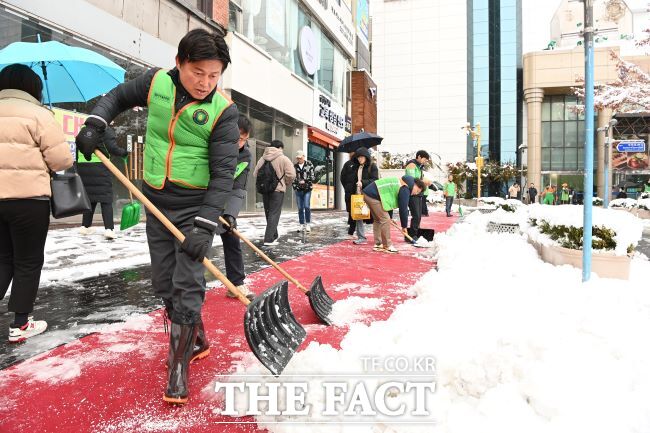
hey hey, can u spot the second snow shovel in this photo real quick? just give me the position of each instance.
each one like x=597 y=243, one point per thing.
x=407 y=236
x=272 y=332
x=319 y=300
x=130 y=212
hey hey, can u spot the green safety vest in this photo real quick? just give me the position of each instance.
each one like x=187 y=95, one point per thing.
x=450 y=189
x=388 y=188
x=177 y=143
x=646 y=188
x=416 y=173
x=94 y=159
x=565 y=195
x=240 y=168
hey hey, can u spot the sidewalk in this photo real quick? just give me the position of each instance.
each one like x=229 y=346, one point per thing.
x=112 y=380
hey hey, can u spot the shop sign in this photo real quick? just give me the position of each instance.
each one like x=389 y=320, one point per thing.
x=309 y=56
x=338 y=21
x=630 y=155
x=71 y=122
x=329 y=116
x=361 y=18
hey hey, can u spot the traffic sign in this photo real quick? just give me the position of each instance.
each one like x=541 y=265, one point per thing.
x=631 y=146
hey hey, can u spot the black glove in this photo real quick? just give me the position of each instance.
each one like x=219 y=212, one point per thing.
x=90 y=137
x=198 y=242
x=232 y=223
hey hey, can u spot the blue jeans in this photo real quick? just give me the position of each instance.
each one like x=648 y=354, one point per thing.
x=449 y=200
x=304 y=211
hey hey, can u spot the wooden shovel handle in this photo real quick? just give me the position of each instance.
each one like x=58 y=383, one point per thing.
x=406 y=235
x=264 y=256
x=171 y=227
x=126 y=173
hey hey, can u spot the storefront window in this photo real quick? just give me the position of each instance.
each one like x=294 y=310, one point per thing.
x=322 y=196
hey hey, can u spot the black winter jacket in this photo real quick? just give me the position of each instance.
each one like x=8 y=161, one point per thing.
x=223 y=148
x=348 y=176
x=96 y=177
x=307 y=174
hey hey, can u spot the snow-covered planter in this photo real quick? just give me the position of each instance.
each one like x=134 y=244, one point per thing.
x=643 y=208
x=597 y=201
x=493 y=227
x=557 y=232
x=491 y=201
x=487 y=209
x=623 y=203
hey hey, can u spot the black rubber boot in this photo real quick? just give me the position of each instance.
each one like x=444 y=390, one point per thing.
x=181 y=345
x=201 y=345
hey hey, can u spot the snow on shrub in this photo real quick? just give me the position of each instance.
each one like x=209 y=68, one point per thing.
x=597 y=201
x=644 y=203
x=626 y=203
x=619 y=232
x=491 y=200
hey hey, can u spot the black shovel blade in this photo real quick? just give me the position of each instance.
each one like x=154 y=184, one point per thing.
x=320 y=301
x=271 y=329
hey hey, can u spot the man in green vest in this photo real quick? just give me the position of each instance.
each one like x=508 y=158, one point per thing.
x=449 y=191
x=418 y=203
x=385 y=195
x=189 y=160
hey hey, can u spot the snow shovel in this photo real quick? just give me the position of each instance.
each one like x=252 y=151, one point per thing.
x=130 y=212
x=319 y=300
x=272 y=332
x=407 y=236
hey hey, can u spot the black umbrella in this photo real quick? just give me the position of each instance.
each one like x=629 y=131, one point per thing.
x=360 y=139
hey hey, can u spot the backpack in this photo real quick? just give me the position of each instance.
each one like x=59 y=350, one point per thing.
x=267 y=181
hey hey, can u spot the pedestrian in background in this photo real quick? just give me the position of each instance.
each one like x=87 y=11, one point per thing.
x=98 y=182
x=232 y=254
x=273 y=168
x=513 y=191
x=367 y=172
x=532 y=193
x=302 y=185
x=449 y=192
x=31 y=146
x=348 y=179
x=565 y=194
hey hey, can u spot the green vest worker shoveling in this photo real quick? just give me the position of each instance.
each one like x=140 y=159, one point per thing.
x=190 y=157
x=385 y=195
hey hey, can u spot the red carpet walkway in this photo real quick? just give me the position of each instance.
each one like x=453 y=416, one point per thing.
x=112 y=381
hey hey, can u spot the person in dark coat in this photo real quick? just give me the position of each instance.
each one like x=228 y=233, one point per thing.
x=349 y=182
x=98 y=181
x=367 y=172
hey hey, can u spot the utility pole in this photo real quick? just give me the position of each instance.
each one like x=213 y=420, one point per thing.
x=589 y=139
x=476 y=135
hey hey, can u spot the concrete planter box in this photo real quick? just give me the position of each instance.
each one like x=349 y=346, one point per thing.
x=643 y=214
x=602 y=264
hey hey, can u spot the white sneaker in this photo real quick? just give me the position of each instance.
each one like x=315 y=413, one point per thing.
x=308 y=228
x=271 y=244
x=85 y=230
x=29 y=329
x=109 y=234
x=244 y=291
x=301 y=228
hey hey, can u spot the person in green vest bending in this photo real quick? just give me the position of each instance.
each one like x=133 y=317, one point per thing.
x=189 y=168
x=449 y=192
x=384 y=195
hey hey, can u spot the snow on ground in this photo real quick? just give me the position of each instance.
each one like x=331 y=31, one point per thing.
x=69 y=256
x=351 y=309
x=520 y=345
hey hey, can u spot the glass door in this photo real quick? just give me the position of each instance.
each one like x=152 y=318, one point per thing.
x=322 y=196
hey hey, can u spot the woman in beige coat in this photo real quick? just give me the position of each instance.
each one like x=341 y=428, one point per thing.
x=31 y=145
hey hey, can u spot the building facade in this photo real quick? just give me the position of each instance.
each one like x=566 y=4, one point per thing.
x=555 y=132
x=441 y=64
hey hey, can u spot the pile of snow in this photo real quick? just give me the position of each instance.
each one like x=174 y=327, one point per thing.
x=491 y=200
x=520 y=345
x=628 y=228
x=643 y=203
x=626 y=203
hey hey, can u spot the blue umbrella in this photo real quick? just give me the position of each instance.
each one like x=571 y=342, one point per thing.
x=70 y=74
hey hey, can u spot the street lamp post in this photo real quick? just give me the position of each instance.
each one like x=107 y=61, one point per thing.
x=589 y=139
x=608 y=150
x=522 y=147
x=476 y=135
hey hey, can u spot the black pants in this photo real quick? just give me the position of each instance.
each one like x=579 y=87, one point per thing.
x=272 y=210
x=23 y=230
x=415 y=207
x=176 y=278
x=352 y=224
x=107 y=215
x=232 y=255
x=425 y=208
